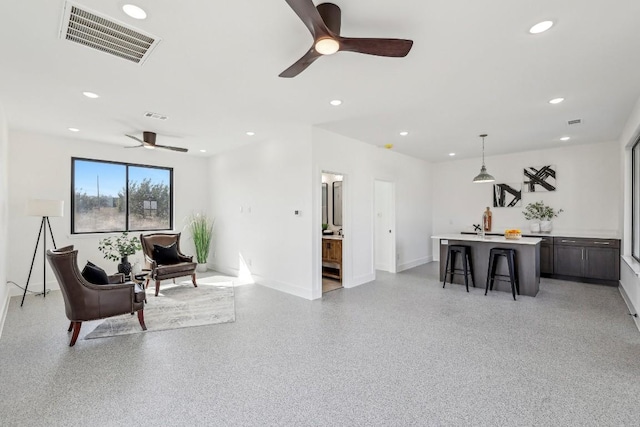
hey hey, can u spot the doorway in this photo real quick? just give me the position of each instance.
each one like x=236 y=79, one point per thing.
x=332 y=231
x=384 y=228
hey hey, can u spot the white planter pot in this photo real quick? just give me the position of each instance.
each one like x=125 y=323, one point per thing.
x=535 y=227
x=201 y=268
x=546 y=226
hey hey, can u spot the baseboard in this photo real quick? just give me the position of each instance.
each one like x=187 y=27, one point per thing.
x=4 y=311
x=284 y=287
x=632 y=309
x=361 y=280
x=415 y=263
x=272 y=284
x=33 y=287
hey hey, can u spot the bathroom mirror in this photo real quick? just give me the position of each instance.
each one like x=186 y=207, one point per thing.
x=337 y=203
x=325 y=203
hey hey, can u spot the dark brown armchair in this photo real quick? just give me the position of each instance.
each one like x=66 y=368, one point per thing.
x=84 y=301
x=183 y=265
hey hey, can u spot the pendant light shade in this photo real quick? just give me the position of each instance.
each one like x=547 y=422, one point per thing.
x=483 y=176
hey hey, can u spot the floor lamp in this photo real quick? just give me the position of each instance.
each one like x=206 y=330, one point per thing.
x=44 y=209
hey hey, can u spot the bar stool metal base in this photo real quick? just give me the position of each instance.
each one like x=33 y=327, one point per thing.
x=510 y=257
x=467 y=266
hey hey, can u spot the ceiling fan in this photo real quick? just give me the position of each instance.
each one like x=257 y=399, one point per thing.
x=323 y=22
x=149 y=141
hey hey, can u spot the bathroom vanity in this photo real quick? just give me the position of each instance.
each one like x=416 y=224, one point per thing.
x=332 y=257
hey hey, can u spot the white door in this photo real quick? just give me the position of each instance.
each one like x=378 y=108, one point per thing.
x=385 y=234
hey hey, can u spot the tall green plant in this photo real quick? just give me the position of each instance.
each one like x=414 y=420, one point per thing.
x=201 y=228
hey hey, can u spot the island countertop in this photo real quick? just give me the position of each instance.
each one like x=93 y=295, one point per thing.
x=488 y=239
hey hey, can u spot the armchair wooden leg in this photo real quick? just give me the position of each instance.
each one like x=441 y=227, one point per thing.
x=147 y=283
x=70 y=327
x=193 y=279
x=157 y=287
x=141 y=319
x=76 y=332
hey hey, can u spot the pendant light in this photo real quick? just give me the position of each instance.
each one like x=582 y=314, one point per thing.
x=483 y=176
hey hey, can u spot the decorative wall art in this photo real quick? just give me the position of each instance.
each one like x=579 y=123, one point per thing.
x=539 y=178
x=507 y=195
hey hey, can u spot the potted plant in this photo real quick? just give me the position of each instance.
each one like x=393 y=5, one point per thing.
x=201 y=228
x=541 y=213
x=119 y=248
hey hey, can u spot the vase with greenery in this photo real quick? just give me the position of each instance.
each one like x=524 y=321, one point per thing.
x=541 y=214
x=118 y=248
x=201 y=228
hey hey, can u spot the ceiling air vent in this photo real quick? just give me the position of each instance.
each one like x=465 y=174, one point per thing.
x=574 y=122
x=105 y=34
x=157 y=116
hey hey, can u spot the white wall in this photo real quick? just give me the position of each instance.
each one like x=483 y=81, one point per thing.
x=254 y=192
x=40 y=167
x=4 y=202
x=588 y=190
x=361 y=164
x=630 y=268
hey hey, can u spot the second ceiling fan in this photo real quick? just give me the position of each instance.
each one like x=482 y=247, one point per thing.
x=324 y=22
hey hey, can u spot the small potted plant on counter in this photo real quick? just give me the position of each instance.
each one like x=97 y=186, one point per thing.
x=542 y=215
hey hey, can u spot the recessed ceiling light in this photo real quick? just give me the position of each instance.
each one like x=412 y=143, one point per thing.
x=203 y=151
x=565 y=138
x=134 y=11
x=404 y=133
x=541 y=27
x=556 y=100
x=250 y=133
x=74 y=129
x=91 y=95
x=452 y=154
x=335 y=102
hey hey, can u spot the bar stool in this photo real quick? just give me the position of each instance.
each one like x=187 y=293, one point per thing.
x=467 y=266
x=510 y=256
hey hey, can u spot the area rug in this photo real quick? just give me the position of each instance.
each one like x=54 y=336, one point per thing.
x=177 y=306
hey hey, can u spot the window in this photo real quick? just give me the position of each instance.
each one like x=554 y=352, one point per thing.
x=635 y=200
x=112 y=197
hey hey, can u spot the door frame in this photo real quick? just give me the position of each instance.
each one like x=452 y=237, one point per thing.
x=317 y=233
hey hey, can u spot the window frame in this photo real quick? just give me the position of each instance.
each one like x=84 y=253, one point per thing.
x=635 y=200
x=126 y=165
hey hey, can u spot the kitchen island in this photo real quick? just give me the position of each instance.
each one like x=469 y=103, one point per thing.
x=527 y=260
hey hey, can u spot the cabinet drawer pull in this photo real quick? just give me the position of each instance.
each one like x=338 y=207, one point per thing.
x=568 y=241
x=601 y=243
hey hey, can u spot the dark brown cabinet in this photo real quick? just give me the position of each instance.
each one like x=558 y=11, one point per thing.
x=591 y=259
x=546 y=255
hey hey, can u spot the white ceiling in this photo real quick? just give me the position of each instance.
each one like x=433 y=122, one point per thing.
x=474 y=68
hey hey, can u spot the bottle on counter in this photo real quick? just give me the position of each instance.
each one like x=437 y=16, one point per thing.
x=486 y=219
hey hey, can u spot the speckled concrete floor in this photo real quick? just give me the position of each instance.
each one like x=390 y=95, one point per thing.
x=398 y=351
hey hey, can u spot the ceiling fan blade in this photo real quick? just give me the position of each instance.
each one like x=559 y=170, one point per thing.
x=167 y=147
x=301 y=64
x=137 y=139
x=379 y=47
x=308 y=13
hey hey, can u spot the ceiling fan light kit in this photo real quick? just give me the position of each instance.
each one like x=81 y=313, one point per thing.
x=323 y=22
